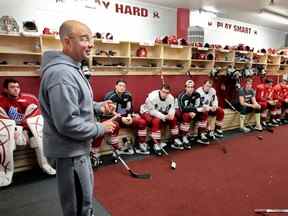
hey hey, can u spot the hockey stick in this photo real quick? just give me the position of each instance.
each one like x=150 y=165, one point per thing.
x=162 y=77
x=230 y=105
x=131 y=172
x=263 y=211
x=173 y=163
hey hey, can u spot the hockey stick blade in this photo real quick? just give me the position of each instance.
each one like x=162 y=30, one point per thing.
x=133 y=174
x=140 y=176
x=271 y=210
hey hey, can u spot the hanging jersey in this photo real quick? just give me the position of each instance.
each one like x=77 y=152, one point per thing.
x=123 y=102
x=158 y=107
x=189 y=103
x=208 y=98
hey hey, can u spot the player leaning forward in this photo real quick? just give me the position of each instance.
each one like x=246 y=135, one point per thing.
x=209 y=102
x=22 y=124
x=159 y=110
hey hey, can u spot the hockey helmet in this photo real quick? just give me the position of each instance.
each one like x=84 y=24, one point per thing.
x=141 y=52
x=29 y=26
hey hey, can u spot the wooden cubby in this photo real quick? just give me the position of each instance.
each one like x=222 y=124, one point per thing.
x=51 y=42
x=259 y=59
x=223 y=59
x=110 y=57
x=152 y=62
x=21 y=56
x=199 y=63
x=283 y=64
x=273 y=64
x=242 y=59
x=175 y=59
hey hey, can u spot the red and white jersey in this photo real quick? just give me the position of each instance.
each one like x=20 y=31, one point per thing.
x=158 y=107
x=285 y=92
x=264 y=93
x=279 y=92
x=15 y=107
x=208 y=98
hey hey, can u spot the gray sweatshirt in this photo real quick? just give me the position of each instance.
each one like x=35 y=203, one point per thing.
x=66 y=101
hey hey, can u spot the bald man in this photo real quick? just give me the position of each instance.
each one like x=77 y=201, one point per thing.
x=66 y=101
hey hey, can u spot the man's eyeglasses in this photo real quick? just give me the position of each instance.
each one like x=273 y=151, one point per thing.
x=83 y=38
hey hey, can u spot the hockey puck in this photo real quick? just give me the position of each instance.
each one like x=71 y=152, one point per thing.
x=260 y=137
x=173 y=165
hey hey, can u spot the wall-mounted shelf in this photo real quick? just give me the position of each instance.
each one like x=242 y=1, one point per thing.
x=22 y=54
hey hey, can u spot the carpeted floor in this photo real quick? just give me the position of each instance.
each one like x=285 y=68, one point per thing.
x=32 y=193
x=207 y=182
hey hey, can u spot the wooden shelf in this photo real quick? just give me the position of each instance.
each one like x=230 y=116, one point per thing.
x=16 y=49
x=110 y=67
x=273 y=64
x=145 y=58
x=110 y=57
x=242 y=62
x=172 y=68
x=20 y=66
x=175 y=59
x=218 y=61
x=259 y=63
x=197 y=68
x=20 y=53
x=201 y=60
x=145 y=68
x=223 y=51
x=19 y=73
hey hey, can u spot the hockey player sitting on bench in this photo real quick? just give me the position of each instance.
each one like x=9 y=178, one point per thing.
x=247 y=103
x=280 y=95
x=189 y=107
x=159 y=109
x=22 y=123
x=209 y=101
x=264 y=96
x=123 y=101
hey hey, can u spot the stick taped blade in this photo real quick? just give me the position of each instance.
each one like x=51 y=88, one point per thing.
x=140 y=176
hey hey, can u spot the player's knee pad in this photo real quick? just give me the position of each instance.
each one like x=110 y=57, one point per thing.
x=21 y=136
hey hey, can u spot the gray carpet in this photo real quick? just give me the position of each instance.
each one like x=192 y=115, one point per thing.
x=33 y=193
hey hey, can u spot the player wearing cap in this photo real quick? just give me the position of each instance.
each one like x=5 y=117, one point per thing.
x=209 y=101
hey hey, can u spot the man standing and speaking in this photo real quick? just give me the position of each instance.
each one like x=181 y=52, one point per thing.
x=66 y=101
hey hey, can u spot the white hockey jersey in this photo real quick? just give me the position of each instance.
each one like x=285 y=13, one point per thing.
x=158 y=107
x=208 y=98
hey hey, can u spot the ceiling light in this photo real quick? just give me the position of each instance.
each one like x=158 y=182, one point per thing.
x=272 y=16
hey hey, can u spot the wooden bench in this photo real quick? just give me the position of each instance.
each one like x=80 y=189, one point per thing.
x=25 y=157
x=232 y=119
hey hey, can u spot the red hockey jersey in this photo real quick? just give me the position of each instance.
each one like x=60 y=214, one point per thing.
x=15 y=108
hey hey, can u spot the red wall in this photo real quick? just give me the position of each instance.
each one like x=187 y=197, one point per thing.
x=139 y=86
